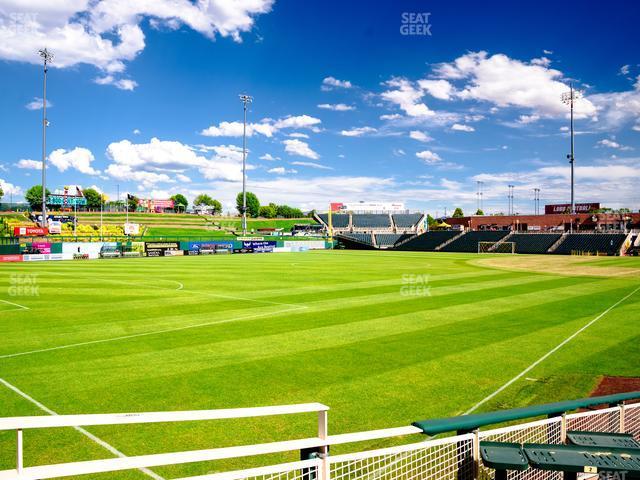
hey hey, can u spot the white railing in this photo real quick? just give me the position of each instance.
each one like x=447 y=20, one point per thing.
x=451 y=458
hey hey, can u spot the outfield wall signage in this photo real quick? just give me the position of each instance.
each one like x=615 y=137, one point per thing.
x=42 y=247
x=29 y=231
x=159 y=249
x=10 y=258
x=259 y=247
x=249 y=239
x=132 y=229
x=566 y=208
x=66 y=200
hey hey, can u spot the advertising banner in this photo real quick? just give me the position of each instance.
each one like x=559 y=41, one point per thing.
x=29 y=231
x=55 y=226
x=42 y=247
x=92 y=249
x=566 y=208
x=308 y=245
x=132 y=229
x=259 y=247
x=159 y=249
x=66 y=200
x=206 y=248
x=10 y=258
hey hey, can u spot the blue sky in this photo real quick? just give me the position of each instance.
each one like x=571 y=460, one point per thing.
x=346 y=107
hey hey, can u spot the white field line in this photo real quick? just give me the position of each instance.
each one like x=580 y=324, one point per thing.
x=548 y=354
x=181 y=288
x=20 y=307
x=84 y=432
x=145 y=334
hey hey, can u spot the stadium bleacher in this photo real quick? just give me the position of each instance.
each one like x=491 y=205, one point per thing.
x=338 y=220
x=371 y=220
x=533 y=242
x=386 y=240
x=469 y=241
x=406 y=220
x=364 y=238
x=594 y=243
x=427 y=241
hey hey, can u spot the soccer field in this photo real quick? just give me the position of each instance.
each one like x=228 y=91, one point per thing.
x=383 y=338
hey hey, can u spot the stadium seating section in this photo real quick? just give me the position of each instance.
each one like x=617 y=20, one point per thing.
x=533 y=242
x=428 y=241
x=597 y=243
x=469 y=241
x=406 y=220
x=364 y=238
x=386 y=240
x=338 y=220
x=371 y=220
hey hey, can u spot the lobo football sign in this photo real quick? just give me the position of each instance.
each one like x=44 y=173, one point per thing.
x=566 y=208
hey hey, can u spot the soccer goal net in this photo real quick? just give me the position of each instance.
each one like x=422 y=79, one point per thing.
x=496 y=247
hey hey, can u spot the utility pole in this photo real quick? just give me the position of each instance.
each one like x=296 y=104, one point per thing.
x=510 y=197
x=245 y=99
x=47 y=58
x=569 y=98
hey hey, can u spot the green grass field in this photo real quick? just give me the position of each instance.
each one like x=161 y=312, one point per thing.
x=338 y=327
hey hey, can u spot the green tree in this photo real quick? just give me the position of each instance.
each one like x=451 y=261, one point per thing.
x=296 y=213
x=1 y=193
x=217 y=207
x=203 y=199
x=180 y=202
x=94 y=198
x=457 y=213
x=284 y=211
x=34 y=196
x=132 y=202
x=268 y=211
x=479 y=212
x=431 y=221
x=253 y=204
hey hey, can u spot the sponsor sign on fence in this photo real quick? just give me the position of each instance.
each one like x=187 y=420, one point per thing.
x=42 y=247
x=10 y=258
x=29 y=231
x=132 y=229
x=159 y=249
x=260 y=247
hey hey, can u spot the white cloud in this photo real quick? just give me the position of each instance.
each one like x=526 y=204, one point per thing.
x=419 y=136
x=404 y=94
x=281 y=170
x=37 y=103
x=357 y=132
x=9 y=188
x=121 y=83
x=428 y=157
x=107 y=33
x=624 y=70
x=330 y=83
x=392 y=116
x=462 y=128
x=338 y=107
x=613 y=144
x=268 y=157
x=298 y=135
x=78 y=159
x=441 y=89
x=311 y=165
x=29 y=164
x=183 y=178
x=526 y=119
x=266 y=127
x=504 y=82
x=136 y=131
x=300 y=148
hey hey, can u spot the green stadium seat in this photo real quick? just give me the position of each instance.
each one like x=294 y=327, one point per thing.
x=503 y=457
x=600 y=439
x=574 y=459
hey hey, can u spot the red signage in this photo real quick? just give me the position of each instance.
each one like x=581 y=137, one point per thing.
x=566 y=208
x=29 y=231
x=10 y=258
x=336 y=207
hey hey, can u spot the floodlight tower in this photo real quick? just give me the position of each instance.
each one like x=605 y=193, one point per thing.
x=569 y=98
x=510 y=197
x=47 y=58
x=245 y=99
x=536 y=200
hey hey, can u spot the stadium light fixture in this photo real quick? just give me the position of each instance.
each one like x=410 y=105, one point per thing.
x=47 y=58
x=569 y=98
x=245 y=99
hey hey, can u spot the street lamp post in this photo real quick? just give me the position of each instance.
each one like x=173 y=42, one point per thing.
x=47 y=58
x=569 y=98
x=245 y=99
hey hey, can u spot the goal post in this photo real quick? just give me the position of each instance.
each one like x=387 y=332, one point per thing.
x=496 y=247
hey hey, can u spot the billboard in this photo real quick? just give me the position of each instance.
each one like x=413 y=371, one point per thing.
x=55 y=226
x=42 y=247
x=155 y=205
x=159 y=249
x=66 y=200
x=259 y=246
x=29 y=231
x=566 y=208
x=132 y=229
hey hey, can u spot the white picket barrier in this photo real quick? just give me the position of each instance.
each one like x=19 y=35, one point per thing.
x=451 y=458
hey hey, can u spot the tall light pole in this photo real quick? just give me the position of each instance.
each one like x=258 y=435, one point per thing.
x=510 y=197
x=569 y=98
x=536 y=200
x=245 y=99
x=47 y=58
